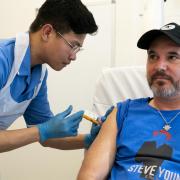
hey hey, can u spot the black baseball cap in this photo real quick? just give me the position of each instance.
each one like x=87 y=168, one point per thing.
x=171 y=30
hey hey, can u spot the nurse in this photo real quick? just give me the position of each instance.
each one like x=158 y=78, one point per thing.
x=54 y=38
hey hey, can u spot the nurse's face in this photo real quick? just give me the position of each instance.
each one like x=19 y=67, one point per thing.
x=61 y=49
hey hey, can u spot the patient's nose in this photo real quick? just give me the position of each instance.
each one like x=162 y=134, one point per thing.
x=161 y=64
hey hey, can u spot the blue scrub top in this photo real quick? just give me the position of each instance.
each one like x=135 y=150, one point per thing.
x=22 y=87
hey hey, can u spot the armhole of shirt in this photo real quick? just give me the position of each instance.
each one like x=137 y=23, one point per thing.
x=122 y=113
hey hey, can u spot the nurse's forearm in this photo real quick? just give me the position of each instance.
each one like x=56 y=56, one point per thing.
x=68 y=143
x=13 y=139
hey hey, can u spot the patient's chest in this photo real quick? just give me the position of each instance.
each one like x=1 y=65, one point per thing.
x=144 y=149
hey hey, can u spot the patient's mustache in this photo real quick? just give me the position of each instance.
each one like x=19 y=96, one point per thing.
x=162 y=75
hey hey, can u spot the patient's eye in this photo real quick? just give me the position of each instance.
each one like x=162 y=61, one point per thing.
x=152 y=57
x=174 y=58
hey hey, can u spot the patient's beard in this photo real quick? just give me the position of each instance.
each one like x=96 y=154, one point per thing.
x=162 y=91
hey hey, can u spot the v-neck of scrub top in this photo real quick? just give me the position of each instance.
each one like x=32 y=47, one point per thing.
x=26 y=80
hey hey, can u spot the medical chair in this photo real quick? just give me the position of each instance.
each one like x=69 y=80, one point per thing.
x=117 y=84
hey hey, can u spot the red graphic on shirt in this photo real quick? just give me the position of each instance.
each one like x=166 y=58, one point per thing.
x=162 y=131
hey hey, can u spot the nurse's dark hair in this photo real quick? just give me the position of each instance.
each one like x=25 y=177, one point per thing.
x=65 y=16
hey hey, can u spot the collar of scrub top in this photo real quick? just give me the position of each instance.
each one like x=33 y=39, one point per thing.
x=26 y=70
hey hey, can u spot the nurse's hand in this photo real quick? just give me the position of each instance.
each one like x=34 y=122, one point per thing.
x=89 y=138
x=60 y=125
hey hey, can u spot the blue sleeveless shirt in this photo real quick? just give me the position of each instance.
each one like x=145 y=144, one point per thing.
x=144 y=149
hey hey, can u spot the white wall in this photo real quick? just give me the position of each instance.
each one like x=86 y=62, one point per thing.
x=171 y=11
x=133 y=18
x=17 y=15
x=114 y=45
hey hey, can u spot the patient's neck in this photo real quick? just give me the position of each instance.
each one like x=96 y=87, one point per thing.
x=172 y=103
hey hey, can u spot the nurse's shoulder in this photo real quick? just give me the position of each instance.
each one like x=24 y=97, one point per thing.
x=6 y=59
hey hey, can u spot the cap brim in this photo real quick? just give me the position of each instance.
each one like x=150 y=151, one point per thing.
x=146 y=39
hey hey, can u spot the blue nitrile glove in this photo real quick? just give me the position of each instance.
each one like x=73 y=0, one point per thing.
x=89 y=138
x=103 y=118
x=60 y=125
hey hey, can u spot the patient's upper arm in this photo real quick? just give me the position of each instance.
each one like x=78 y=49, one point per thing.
x=100 y=156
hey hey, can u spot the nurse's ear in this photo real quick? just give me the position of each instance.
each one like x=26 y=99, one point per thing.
x=46 y=31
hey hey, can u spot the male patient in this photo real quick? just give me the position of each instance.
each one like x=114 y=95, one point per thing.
x=140 y=138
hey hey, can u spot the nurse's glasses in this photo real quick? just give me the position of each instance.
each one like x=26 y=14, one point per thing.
x=74 y=48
